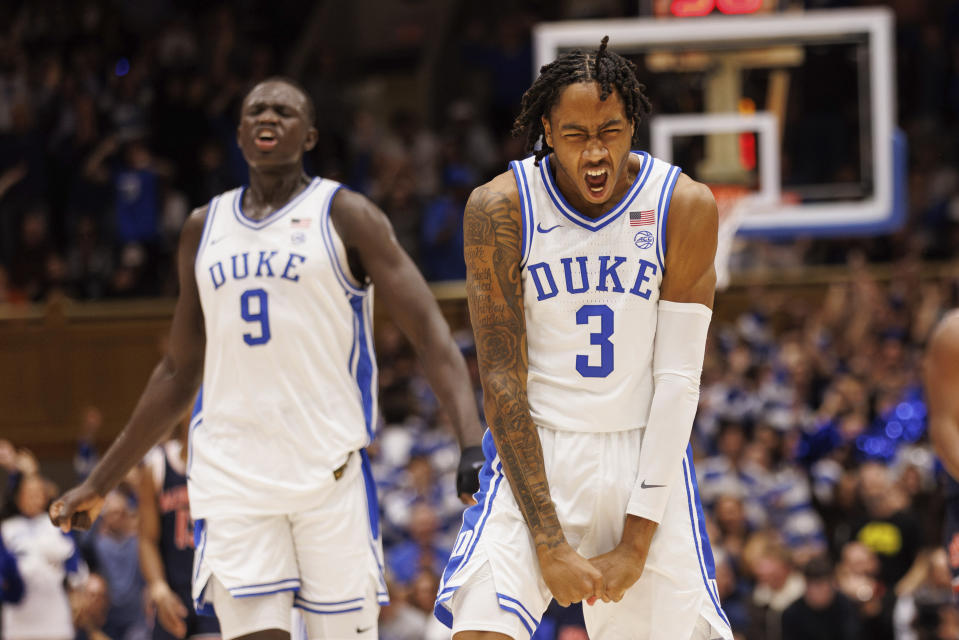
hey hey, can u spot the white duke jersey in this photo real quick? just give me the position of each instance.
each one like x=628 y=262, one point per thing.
x=289 y=373
x=590 y=289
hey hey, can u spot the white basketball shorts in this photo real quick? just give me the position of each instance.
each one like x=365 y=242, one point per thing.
x=591 y=476
x=327 y=561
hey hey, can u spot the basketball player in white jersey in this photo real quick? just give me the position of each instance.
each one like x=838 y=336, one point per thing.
x=590 y=281
x=274 y=317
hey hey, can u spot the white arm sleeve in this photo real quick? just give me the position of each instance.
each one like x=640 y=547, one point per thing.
x=678 y=353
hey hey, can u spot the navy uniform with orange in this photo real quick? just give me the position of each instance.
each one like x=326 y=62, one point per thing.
x=591 y=297
x=279 y=479
x=165 y=464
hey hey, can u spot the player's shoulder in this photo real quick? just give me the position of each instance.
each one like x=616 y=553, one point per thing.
x=497 y=195
x=692 y=211
x=945 y=337
x=504 y=183
x=197 y=217
x=693 y=200
x=357 y=219
x=347 y=201
x=192 y=229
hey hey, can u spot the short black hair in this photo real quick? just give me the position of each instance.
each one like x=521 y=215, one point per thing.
x=610 y=70
x=818 y=568
x=310 y=107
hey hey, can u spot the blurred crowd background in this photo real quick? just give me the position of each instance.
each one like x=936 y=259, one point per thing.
x=823 y=497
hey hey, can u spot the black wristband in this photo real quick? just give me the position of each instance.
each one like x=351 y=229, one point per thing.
x=467 y=474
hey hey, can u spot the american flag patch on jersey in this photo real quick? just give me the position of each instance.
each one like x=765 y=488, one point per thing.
x=640 y=218
x=300 y=223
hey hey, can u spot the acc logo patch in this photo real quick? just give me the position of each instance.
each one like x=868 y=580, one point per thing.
x=643 y=239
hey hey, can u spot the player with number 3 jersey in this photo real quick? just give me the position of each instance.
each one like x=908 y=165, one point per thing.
x=590 y=282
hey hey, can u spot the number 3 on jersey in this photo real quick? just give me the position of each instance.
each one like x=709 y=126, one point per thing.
x=599 y=338
x=254 y=308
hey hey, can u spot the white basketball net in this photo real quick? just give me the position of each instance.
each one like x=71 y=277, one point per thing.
x=733 y=204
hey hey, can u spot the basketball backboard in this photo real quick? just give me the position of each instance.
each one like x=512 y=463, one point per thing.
x=797 y=108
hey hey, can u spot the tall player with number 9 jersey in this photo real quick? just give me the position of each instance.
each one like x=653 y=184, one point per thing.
x=590 y=281
x=280 y=292
x=274 y=315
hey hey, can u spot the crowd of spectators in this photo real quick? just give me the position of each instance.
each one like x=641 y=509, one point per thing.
x=820 y=489
x=114 y=125
x=115 y=121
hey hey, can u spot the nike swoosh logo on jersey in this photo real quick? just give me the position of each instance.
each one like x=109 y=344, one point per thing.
x=358 y=630
x=539 y=227
x=212 y=242
x=650 y=486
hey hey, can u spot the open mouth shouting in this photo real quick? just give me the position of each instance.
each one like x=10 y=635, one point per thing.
x=596 y=180
x=265 y=139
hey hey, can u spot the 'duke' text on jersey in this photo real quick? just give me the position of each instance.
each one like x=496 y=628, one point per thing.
x=262 y=264
x=610 y=274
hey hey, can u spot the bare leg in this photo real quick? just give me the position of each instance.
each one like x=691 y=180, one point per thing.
x=480 y=635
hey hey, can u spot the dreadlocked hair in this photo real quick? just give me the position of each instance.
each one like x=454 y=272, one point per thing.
x=610 y=70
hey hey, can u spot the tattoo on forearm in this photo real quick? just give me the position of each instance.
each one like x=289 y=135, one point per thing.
x=495 y=292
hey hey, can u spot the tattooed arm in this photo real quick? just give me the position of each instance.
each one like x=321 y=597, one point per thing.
x=492 y=238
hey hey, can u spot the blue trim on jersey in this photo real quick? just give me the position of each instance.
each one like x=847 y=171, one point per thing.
x=199 y=544
x=372 y=505
x=197 y=404
x=196 y=419
x=524 y=232
x=526 y=209
x=276 y=215
x=351 y=359
x=328 y=604
x=207 y=225
x=474 y=519
x=293 y=585
x=531 y=618
x=704 y=552
x=383 y=597
x=663 y=214
x=373 y=513
x=299 y=605
x=326 y=608
x=327 y=231
x=703 y=534
x=519 y=615
x=72 y=564
x=374 y=372
x=259 y=585
x=595 y=224
x=363 y=367
x=477 y=515
x=443 y=614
